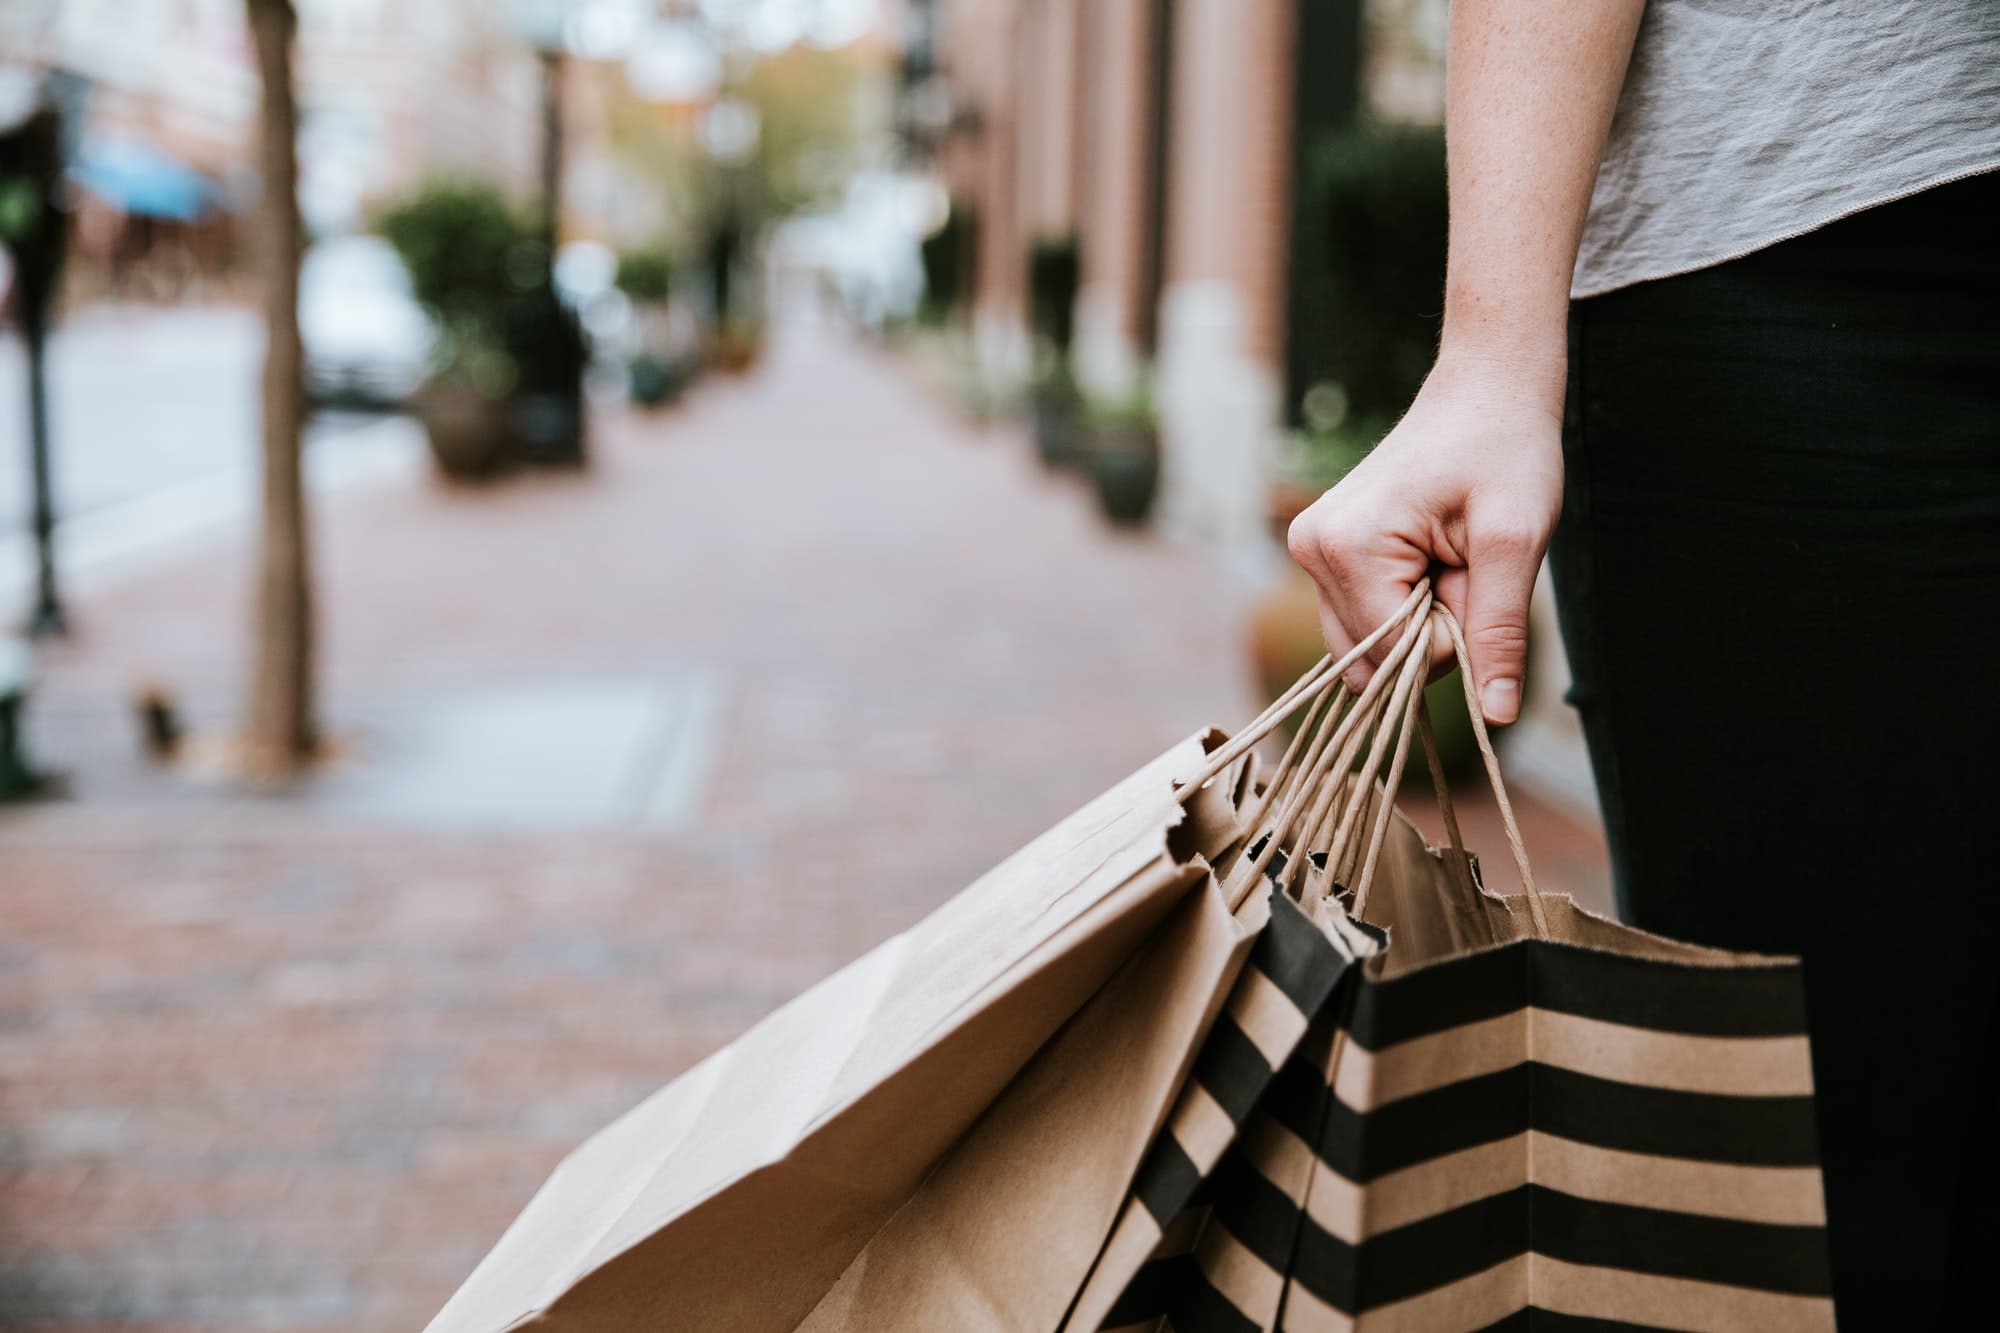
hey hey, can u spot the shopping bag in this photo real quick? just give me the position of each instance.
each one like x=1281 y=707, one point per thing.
x=1003 y=1232
x=734 y=1197
x=1515 y=1112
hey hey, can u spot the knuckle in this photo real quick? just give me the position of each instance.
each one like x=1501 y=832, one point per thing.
x=1339 y=560
x=1502 y=639
x=1507 y=534
x=1302 y=539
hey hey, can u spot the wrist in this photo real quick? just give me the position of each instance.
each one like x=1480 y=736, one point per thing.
x=1524 y=367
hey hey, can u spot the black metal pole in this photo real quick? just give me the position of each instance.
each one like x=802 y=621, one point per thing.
x=552 y=134
x=31 y=153
x=553 y=378
x=47 y=616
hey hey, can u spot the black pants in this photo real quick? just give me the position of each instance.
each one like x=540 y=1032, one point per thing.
x=1779 y=571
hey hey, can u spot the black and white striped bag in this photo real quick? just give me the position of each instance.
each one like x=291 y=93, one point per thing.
x=1470 y=1112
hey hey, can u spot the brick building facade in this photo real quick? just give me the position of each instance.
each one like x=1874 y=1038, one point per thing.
x=1166 y=136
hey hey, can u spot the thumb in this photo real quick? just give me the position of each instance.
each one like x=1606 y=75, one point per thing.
x=1500 y=579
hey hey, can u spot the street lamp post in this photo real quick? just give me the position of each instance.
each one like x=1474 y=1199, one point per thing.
x=31 y=223
x=548 y=340
x=47 y=617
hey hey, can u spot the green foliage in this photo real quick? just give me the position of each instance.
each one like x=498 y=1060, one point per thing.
x=1384 y=188
x=470 y=352
x=809 y=112
x=1052 y=375
x=808 y=104
x=20 y=207
x=1317 y=459
x=462 y=245
x=1132 y=411
x=1055 y=268
x=647 y=276
x=469 y=256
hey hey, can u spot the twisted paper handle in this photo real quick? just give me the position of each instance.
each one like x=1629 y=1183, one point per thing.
x=1319 y=794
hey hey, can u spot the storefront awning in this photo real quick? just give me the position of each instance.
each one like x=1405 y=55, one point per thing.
x=135 y=176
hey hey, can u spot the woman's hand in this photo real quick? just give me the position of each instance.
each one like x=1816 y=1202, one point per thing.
x=1471 y=481
x=1471 y=478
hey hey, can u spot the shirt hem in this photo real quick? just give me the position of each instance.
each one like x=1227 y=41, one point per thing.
x=1577 y=293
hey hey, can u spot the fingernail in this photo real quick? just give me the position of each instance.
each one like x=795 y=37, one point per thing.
x=1501 y=699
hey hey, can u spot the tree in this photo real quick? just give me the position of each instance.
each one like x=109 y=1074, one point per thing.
x=279 y=734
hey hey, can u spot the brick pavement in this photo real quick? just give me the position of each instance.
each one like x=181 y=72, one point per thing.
x=269 y=1066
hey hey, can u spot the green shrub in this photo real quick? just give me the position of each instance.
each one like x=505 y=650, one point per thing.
x=470 y=257
x=461 y=243
x=1384 y=188
x=1132 y=410
x=646 y=276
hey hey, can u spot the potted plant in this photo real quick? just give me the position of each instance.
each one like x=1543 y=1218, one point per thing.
x=1054 y=404
x=1122 y=442
x=461 y=244
x=1054 y=269
x=646 y=277
x=466 y=403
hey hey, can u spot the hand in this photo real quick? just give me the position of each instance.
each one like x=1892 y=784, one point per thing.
x=1469 y=480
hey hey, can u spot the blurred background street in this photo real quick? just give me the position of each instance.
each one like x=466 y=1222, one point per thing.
x=160 y=435
x=854 y=477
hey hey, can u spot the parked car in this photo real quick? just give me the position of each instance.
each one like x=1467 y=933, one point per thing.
x=367 y=341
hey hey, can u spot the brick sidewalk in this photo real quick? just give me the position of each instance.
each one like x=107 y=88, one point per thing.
x=272 y=1065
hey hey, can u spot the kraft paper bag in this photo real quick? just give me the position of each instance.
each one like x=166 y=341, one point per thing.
x=1515 y=1113
x=1004 y=1231
x=734 y=1198
x=1001 y=1233
x=1001 y=1236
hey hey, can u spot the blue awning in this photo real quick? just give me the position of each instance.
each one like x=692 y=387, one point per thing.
x=133 y=175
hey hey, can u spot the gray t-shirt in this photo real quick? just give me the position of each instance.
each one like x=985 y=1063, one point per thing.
x=1747 y=122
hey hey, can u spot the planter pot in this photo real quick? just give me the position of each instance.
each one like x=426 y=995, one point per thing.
x=1126 y=465
x=736 y=353
x=653 y=381
x=1053 y=415
x=469 y=432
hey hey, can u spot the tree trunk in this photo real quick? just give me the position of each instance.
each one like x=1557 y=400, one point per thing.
x=280 y=736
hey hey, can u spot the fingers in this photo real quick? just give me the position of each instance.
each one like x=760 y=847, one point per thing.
x=1498 y=584
x=1450 y=585
x=1359 y=589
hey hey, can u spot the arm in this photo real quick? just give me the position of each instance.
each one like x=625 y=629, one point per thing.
x=1471 y=478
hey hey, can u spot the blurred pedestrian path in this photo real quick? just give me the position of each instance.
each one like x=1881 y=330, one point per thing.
x=626 y=757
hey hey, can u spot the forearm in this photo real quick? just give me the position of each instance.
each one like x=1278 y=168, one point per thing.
x=1530 y=88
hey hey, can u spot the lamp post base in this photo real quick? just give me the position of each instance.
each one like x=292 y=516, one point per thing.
x=46 y=621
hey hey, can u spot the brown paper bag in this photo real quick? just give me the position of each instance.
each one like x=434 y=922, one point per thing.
x=1001 y=1236
x=1516 y=1113
x=1004 y=1232
x=734 y=1198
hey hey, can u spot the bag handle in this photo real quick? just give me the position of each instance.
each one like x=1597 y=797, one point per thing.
x=1519 y=848
x=1327 y=671
x=1441 y=615
x=1316 y=778
x=1395 y=719
x=1331 y=754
